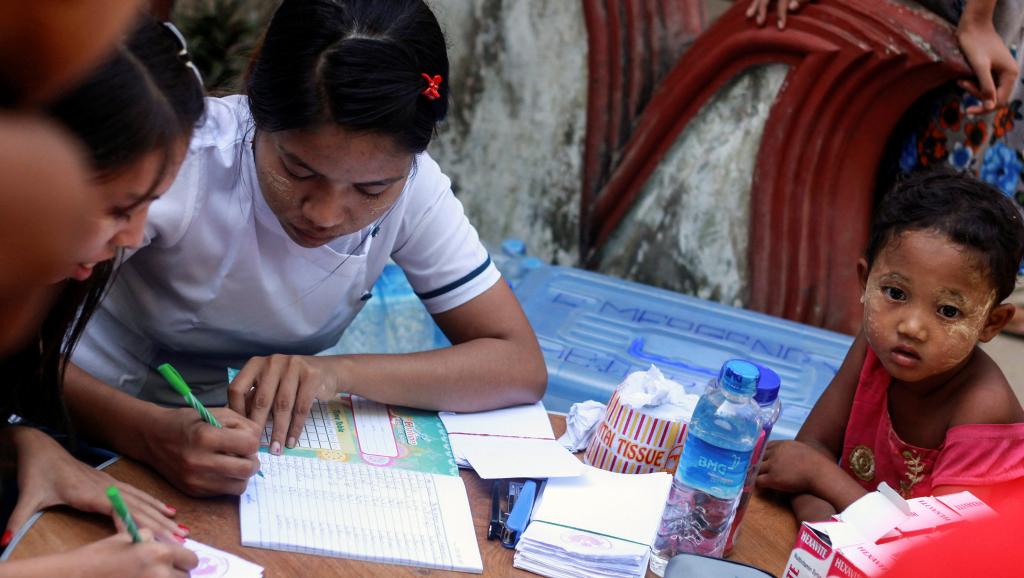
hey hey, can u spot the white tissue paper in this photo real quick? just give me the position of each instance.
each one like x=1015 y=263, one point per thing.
x=657 y=396
x=580 y=424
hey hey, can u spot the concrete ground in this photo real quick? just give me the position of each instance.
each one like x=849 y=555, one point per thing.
x=1008 y=351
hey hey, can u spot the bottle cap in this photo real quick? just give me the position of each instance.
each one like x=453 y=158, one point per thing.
x=739 y=377
x=513 y=247
x=531 y=263
x=768 y=386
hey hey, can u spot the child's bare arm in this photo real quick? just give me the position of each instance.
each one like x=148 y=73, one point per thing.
x=808 y=508
x=808 y=467
x=815 y=479
x=825 y=427
x=985 y=397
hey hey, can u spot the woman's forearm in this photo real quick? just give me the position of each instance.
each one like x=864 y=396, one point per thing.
x=106 y=415
x=481 y=374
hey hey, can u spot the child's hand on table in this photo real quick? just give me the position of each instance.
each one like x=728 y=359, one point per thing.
x=49 y=476
x=791 y=466
x=816 y=480
x=202 y=460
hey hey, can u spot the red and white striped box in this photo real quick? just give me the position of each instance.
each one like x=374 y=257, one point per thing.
x=630 y=441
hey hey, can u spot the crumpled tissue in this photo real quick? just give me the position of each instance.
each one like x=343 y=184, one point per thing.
x=657 y=395
x=644 y=425
x=580 y=424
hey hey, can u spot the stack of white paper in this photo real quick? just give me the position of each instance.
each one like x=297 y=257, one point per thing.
x=214 y=563
x=598 y=524
x=514 y=442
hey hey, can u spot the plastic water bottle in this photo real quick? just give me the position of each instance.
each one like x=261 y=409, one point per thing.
x=767 y=396
x=512 y=261
x=507 y=257
x=716 y=454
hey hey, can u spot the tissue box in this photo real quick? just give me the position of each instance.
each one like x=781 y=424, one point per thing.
x=644 y=426
x=865 y=540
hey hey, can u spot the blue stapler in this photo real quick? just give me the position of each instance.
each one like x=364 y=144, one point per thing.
x=520 y=502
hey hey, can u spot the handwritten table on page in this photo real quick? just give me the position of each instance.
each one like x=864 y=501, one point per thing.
x=349 y=428
x=319 y=431
x=356 y=430
x=360 y=511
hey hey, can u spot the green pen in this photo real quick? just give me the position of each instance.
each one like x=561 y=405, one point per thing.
x=178 y=383
x=122 y=511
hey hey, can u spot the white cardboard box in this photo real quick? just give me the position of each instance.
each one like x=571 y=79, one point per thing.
x=866 y=538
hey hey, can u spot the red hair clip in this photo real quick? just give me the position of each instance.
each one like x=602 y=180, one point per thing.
x=433 y=83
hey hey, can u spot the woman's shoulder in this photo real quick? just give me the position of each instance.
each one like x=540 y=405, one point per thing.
x=217 y=150
x=427 y=176
x=226 y=123
x=427 y=187
x=984 y=395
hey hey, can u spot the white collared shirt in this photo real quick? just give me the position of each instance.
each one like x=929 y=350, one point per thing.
x=217 y=280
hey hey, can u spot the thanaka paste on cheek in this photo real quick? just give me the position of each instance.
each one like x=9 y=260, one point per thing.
x=872 y=299
x=280 y=185
x=376 y=205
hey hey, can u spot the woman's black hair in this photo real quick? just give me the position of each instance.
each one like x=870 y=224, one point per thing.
x=970 y=212
x=357 y=63
x=144 y=98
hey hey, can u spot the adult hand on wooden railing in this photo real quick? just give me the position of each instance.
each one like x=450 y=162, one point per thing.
x=994 y=66
x=759 y=10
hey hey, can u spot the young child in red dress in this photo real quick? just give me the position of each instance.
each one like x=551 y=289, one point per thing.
x=917 y=403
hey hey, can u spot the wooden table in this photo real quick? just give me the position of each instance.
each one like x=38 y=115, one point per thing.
x=766 y=539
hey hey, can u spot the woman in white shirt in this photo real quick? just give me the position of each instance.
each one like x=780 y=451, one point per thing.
x=292 y=199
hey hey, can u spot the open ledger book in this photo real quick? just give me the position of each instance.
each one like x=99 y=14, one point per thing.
x=362 y=512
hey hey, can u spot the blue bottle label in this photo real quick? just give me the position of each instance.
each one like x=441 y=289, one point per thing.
x=715 y=470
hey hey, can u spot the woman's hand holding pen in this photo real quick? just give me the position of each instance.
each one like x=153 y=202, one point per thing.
x=202 y=460
x=49 y=476
x=285 y=385
x=118 y=556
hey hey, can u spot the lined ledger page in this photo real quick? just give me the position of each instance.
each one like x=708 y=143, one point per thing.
x=362 y=512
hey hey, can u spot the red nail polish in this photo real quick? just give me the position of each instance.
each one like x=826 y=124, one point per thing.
x=180 y=539
x=185 y=528
x=6 y=538
x=171 y=508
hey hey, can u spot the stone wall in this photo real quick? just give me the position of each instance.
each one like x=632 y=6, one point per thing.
x=513 y=143
x=513 y=147
x=689 y=229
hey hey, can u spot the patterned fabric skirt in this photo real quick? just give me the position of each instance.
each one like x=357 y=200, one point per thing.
x=988 y=146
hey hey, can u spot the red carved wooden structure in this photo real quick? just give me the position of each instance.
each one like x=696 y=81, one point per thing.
x=855 y=68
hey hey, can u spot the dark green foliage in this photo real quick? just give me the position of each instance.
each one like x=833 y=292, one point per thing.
x=221 y=35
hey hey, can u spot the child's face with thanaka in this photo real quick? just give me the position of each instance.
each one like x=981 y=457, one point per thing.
x=927 y=303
